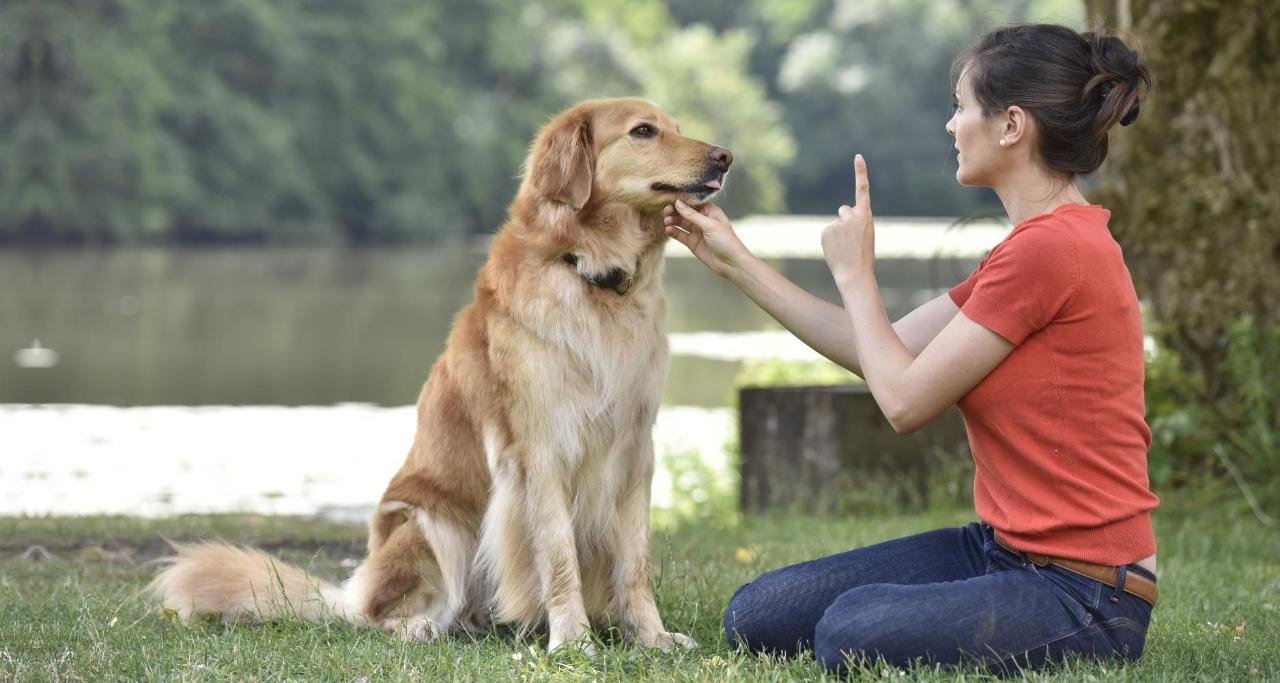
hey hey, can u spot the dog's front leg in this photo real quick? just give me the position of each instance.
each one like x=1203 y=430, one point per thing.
x=633 y=594
x=555 y=556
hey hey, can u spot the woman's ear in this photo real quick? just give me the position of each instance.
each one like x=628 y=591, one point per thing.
x=562 y=164
x=1015 y=125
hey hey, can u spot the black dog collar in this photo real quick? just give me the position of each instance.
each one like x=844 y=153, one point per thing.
x=616 y=279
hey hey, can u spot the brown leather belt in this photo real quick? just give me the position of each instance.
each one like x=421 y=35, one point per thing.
x=1134 y=583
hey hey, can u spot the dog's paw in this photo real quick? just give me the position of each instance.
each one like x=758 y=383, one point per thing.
x=666 y=640
x=415 y=629
x=583 y=645
x=580 y=642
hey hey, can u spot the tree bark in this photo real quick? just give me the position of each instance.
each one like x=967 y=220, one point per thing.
x=826 y=448
x=1194 y=185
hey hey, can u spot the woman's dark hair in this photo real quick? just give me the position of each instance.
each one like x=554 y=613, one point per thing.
x=1075 y=85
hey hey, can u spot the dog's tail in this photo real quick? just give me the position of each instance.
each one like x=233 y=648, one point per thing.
x=233 y=584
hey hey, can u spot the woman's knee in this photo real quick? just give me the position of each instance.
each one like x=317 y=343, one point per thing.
x=742 y=623
x=756 y=619
x=858 y=626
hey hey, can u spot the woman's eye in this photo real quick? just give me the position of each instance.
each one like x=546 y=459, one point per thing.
x=644 y=130
x=955 y=106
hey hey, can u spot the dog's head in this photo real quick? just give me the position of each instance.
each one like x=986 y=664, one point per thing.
x=623 y=151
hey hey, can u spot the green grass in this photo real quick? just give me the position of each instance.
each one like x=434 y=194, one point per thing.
x=81 y=613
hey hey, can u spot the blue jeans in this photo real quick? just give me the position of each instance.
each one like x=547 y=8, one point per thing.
x=945 y=597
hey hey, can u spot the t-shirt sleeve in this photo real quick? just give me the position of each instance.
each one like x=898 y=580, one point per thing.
x=960 y=293
x=1024 y=284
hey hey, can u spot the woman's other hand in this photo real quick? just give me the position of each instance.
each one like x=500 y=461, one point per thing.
x=707 y=233
x=849 y=244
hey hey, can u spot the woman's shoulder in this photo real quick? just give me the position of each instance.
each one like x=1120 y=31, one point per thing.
x=1067 y=225
x=1068 y=215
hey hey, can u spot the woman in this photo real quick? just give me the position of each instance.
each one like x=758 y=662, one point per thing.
x=1041 y=348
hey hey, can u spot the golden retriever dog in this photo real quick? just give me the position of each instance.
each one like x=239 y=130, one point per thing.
x=525 y=495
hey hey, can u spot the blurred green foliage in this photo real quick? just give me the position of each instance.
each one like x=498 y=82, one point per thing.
x=701 y=494
x=791 y=373
x=870 y=76
x=1227 y=447
x=302 y=120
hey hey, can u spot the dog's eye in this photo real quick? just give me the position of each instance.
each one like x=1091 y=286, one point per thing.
x=644 y=130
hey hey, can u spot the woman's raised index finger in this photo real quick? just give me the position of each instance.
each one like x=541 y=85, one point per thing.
x=862 y=184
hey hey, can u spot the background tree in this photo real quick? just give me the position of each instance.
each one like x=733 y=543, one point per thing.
x=871 y=77
x=143 y=120
x=79 y=156
x=1195 y=186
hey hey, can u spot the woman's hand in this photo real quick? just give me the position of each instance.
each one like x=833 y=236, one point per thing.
x=707 y=233
x=849 y=244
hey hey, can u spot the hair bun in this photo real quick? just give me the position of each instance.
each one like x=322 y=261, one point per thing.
x=1131 y=116
x=1120 y=82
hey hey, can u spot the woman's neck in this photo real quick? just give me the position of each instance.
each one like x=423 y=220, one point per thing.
x=1033 y=192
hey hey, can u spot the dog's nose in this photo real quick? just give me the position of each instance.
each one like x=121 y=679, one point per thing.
x=721 y=157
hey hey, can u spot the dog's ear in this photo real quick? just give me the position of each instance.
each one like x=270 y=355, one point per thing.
x=562 y=164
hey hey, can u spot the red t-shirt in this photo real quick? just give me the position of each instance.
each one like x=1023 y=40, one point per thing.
x=1057 y=429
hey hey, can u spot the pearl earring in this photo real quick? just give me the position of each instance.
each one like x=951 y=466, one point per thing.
x=1003 y=142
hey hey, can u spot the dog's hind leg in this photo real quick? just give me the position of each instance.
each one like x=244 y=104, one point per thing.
x=411 y=583
x=453 y=543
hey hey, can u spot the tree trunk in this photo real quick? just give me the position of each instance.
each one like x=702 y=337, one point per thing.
x=1194 y=185
x=824 y=448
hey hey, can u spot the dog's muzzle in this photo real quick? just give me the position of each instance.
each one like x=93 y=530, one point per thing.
x=616 y=279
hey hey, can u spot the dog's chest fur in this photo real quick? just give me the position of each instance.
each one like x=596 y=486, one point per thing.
x=593 y=362
x=576 y=369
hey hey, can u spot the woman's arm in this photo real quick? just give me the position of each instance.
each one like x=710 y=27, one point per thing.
x=826 y=328
x=911 y=388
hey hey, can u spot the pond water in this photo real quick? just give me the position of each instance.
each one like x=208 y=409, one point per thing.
x=152 y=381
x=319 y=326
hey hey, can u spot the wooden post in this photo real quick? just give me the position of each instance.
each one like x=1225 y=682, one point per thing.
x=808 y=448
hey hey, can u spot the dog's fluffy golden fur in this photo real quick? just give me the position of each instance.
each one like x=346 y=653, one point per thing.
x=525 y=495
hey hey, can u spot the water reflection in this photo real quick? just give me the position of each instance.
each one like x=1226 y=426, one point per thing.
x=319 y=326
x=35 y=356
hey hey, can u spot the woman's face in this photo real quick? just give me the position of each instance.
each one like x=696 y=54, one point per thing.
x=977 y=138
